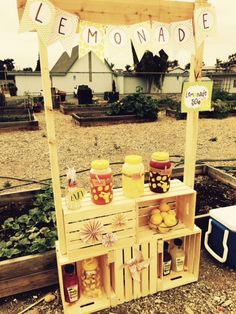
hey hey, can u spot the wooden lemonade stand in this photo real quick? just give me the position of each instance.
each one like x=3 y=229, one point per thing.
x=118 y=286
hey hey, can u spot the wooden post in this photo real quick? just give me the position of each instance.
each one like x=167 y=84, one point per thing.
x=50 y=125
x=192 y=117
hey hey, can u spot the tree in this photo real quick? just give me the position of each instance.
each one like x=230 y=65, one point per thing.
x=173 y=64
x=154 y=67
x=28 y=69
x=229 y=63
x=38 y=66
x=6 y=65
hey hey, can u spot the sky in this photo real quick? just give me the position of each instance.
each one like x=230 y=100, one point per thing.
x=23 y=48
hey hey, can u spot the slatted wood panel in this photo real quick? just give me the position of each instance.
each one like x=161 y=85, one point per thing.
x=75 y=221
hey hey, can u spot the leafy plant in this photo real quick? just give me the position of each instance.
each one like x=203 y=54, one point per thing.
x=221 y=109
x=31 y=233
x=135 y=104
x=221 y=94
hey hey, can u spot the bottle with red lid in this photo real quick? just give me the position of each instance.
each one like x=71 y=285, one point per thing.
x=160 y=172
x=101 y=182
x=70 y=283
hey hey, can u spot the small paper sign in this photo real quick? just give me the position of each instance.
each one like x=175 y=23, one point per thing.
x=196 y=96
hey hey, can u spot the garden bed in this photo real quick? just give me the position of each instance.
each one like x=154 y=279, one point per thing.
x=17 y=118
x=85 y=119
x=214 y=187
x=68 y=108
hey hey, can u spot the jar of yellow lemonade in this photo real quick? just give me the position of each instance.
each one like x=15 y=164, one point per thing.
x=101 y=182
x=133 y=176
x=91 y=278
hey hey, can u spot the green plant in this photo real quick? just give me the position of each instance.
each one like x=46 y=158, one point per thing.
x=135 y=104
x=31 y=233
x=221 y=94
x=221 y=109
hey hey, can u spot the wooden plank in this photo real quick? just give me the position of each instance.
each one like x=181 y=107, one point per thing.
x=119 y=275
x=153 y=266
x=128 y=282
x=145 y=272
x=122 y=12
x=51 y=135
x=22 y=266
x=28 y=282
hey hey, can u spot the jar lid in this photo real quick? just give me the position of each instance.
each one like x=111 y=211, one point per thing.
x=100 y=164
x=133 y=159
x=178 y=242
x=160 y=156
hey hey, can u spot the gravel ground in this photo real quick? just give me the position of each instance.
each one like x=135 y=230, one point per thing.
x=24 y=154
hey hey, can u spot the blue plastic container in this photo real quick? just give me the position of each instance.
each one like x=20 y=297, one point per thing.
x=220 y=238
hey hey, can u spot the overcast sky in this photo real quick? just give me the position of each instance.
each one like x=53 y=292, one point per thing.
x=23 y=48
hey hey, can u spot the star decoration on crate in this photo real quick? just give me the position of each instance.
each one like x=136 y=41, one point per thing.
x=92 y=231
x=109 y=239
x=119 y=221
x=136 y=265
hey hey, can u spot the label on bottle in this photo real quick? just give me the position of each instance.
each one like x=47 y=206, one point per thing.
x=166 y=268
x=179 y=263
x=73 y=293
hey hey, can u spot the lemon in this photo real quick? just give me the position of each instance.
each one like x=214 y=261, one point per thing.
x=155 y=211
x=163 y=228
x=163 y=214
x=172 y=212
x=156 y=219
x=164 y=207
x=170 y=220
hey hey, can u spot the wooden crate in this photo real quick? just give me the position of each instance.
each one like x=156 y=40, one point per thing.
x=86 y=304
x=191 y=245
x=180 y=198
x=76 y=221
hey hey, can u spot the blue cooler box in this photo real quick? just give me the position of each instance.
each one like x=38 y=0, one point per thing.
x=220 y=238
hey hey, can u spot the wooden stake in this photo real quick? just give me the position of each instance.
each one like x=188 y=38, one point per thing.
x=50 y=125
x=192 y=117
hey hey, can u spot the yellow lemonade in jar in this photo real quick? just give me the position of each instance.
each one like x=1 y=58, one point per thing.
x=133 y=176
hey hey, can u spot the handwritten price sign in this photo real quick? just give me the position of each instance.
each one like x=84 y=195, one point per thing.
x=196 y=96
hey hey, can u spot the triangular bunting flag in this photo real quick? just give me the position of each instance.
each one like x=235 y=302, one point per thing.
x=39 y=16
x=64 y=29
x=91 y=38
x=205 y=23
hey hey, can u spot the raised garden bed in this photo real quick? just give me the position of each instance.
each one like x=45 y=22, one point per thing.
x=17 y=118
x=85 y=119
x=68 y=108
x=215 y=189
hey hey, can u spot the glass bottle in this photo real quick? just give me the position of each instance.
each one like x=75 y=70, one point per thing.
x=177 y=255
x=133 y=176
x=160 y=172
x=70 y=283
x=166 y=260
x=91 y=278
x=101 y=182
x=74 y=194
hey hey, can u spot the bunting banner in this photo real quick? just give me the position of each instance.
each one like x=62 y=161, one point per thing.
x=39 y=16
x=64 y=29
x=91 y=39
x=161 y=36
x=141 y=36
x=117 y=44
x=182 y=36
x=205 y=23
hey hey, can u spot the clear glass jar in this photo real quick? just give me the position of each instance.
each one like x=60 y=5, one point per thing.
x=133 y=176
x=91 y=278
x=101 y=182
x=160 y=172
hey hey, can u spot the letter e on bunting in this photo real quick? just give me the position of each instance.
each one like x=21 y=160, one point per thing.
x=39 y=16
x=64 y=29
x=91 y=38
x=205 y=22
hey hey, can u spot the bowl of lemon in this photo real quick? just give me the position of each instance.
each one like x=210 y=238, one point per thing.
x=163 y=218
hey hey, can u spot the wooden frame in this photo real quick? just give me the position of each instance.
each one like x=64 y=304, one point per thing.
x=112 y=260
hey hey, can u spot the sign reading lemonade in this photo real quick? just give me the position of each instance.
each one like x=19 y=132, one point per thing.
x=196 y=96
